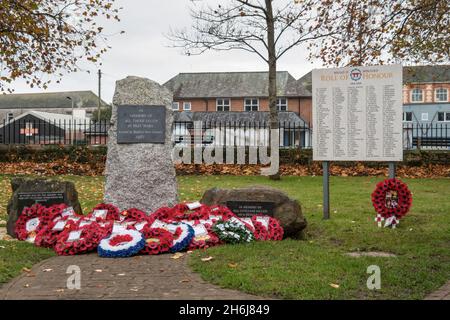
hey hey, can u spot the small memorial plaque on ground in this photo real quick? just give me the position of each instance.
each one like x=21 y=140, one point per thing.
x=141 y=124
x=247 y=209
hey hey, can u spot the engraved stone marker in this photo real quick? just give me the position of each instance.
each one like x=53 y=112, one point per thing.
x=139 y=168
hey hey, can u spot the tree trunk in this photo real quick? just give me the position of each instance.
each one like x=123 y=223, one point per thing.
x=273 y=114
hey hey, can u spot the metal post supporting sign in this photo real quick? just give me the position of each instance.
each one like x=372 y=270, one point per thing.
x=326 y=190
x=392 y=170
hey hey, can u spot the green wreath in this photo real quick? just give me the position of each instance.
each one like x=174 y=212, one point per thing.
x=233 y=232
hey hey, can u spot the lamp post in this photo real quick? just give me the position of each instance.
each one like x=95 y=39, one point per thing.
x=72 y=124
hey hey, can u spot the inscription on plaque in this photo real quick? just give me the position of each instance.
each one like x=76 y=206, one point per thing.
x=27 y=199
x=247 y=209
x=141 y=124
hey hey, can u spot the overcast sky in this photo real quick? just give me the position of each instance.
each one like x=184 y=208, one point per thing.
x=144 y=51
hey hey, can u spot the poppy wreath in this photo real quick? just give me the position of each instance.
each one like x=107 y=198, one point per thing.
x=30 y=222
x=274 y=231
x=222 y=211
x=133 y=214
x=162 y=214
x=182 y=237
x=157 y=240
x=122 y=244
x=397 y=205
x=53 y=212
x=182 y=212
x=48 y=235
x=233 y=232
x=113 y=212
x=205 y=242
x=90 y=237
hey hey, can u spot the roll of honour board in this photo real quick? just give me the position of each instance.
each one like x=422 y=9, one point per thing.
x=357 y=114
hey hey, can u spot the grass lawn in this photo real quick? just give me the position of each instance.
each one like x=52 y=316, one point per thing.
x=306 y=269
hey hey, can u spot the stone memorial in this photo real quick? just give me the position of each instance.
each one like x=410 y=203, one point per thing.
x=139 y=168
x=246 y=202
x=27 y=192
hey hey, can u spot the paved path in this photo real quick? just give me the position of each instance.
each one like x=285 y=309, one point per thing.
x=441 y=294
x=140 y=277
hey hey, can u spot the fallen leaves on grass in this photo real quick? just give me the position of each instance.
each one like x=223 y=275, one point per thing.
x=207 y=259
x=62 y=167
x=315 y=169
x=334 y=285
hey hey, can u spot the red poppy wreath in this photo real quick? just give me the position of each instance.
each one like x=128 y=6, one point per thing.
x=30 y=222
x=157 y=240
x=79 y=240
x=392 y=198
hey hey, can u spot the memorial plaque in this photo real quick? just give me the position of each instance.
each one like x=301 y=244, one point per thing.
x=141 y=124
x=247 y=209
x=357 y=114
x=27 y=199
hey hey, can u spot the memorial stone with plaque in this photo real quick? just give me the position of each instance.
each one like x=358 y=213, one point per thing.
x=260 y=200
x=139 y=168
x=27 y=192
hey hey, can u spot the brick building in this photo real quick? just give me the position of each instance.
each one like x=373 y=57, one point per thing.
x=238 y=92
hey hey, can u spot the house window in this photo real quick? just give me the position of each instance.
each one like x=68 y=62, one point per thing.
x=10 y=116
x=444 y=116
x=417 y=95
x=282 y=104
x=187 y=106
x=223 y=104
x=441 y=95
x=251 y=104
x=175 y=106
x=407 y=116
x=424 y=116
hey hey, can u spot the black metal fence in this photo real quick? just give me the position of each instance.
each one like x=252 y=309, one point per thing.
x=291 y=135
x=34 y=131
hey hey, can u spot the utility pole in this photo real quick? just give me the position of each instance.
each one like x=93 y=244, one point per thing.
x=99 y=94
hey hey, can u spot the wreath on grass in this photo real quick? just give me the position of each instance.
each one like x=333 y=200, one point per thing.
x=77 y=240
x=122 y=244
x=157 y=240
x=182 y=237
x=267 y=228
x=30 y=222
x=392 y=198
x=233 y=232
x=48 y=235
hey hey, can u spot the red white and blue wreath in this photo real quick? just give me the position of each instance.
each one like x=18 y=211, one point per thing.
x=391 y=200
x=125 y=243
x=182 y=236
x=233 y=231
